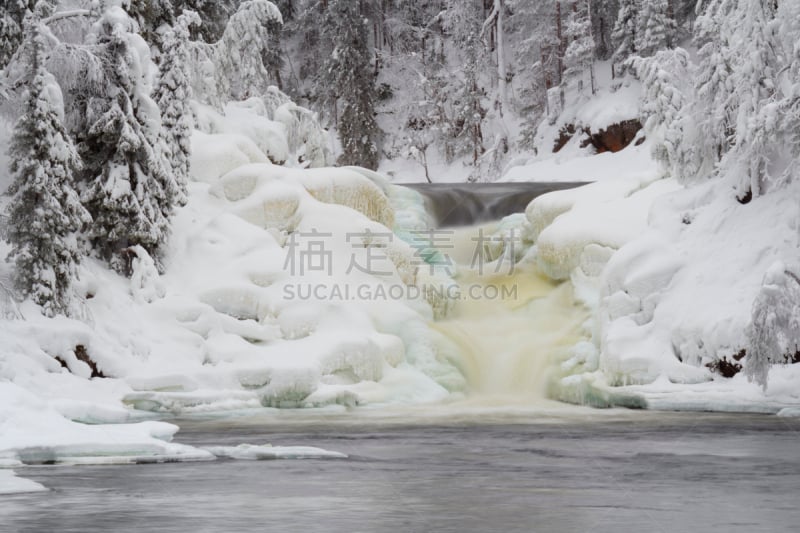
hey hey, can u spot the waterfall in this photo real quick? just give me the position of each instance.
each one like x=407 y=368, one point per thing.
x=509 y=328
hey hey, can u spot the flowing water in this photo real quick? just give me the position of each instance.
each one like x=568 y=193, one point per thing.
x=446 y=470
x=506 y=344
x=465 y=204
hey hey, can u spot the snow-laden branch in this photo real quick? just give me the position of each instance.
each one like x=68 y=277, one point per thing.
x=491 y=19
x=66 y=15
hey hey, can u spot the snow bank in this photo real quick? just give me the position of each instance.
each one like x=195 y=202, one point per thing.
x=34 y=433
x=693 y=311
x=671 y=275
x=11 y=484
x=573 y=164
x=215 y=155
x=566 y=224
x=231 y=324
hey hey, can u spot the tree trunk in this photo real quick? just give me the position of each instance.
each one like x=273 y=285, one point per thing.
x=502 y=70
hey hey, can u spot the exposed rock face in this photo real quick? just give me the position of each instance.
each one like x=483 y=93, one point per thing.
x=614 y=138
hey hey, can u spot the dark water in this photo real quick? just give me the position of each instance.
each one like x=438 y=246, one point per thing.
x=632 y=472
x=464 y=204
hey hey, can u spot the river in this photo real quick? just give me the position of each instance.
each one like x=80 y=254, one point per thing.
x=445 y=469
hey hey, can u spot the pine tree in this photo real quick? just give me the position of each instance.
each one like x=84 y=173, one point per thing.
x=173 y=94
x=248 y=55
x=46 y=212
x=604 y=16
x=579 y=55
x=127 y=182
x=656 y=27
x=666 y=107
x=774 y=335
x=755 y=87
x=791 y=107
x=463 y=22
x=538 y=46
x=349 y=76
x=150 y=15
x=713 y=106
x=624 y=36
x=11 y=16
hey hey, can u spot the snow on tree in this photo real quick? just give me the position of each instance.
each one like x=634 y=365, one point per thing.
x=666 y=100
x=247 y=55
x=463 y=21
x=755 y=91
x=307 y=139
x=150 y=16
x=173 y=94
x=496 y=21
x=215 y=15
x=656 y=27
x=537 y=45
x=579 y=55
x=348 y=78
x=11 y=17
x=127 y=182
x=624 y=36
x=714 y=108
x=46 y=213
x=774 y=335
x=790 y=15
x=604 y=16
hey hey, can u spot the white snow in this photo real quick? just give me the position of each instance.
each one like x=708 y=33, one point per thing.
x=11 y=484
x=671 y=275
x=220 y=330
x=267 y=451
x=668 y=274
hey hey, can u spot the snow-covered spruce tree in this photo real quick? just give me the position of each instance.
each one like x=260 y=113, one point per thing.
x=463 y=19
x=579 y=55
x=11 y=16
x=624 y=35
x=604 y=18
x=150 y=15
x=173 y=94
x=656 y=27
x=774 y=335
x=790 y=15
x=537 y=44
x=214 y=14
x=666 y=109
x=46 y=213
x=126 y=179
x=348 y=74
x=714 y=108
x=247 y=56
x=756 y=90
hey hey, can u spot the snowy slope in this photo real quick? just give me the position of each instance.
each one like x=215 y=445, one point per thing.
x=227 y=327
x=671 y=275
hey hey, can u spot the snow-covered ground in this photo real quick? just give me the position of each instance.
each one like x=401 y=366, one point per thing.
x=231 y=325
x=668 y=274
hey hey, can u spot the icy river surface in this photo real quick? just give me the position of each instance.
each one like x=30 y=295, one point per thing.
x=483 y=470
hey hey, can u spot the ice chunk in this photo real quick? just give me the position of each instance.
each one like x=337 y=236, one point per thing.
x=267 y=451
x=11 y=484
